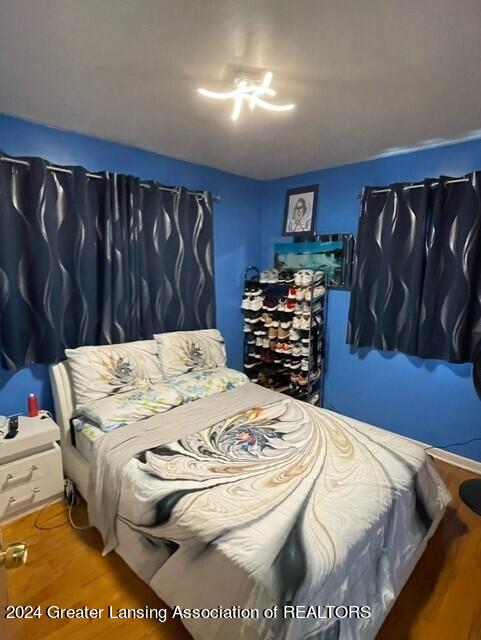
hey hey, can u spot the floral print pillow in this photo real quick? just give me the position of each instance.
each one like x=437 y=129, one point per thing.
x=124 y=408
x=98 y=372
x=185 y=351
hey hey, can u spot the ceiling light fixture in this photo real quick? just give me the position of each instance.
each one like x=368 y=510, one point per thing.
x=250 y=92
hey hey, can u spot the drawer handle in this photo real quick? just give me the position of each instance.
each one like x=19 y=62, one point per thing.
x=12 y=500
x=33 y=468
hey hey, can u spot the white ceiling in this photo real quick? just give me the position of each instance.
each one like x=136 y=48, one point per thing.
x=367 y=76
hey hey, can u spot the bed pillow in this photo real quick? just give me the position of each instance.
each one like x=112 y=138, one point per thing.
x=123 y=408
x=97 y=372
x=185 y=351
x=200 y=384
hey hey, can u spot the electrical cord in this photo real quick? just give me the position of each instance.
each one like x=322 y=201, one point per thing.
x=429 y=447
x=451 y=444
x=72 y=502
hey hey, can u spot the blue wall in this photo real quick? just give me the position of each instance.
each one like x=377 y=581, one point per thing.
x=237 y=226
x=428 y=400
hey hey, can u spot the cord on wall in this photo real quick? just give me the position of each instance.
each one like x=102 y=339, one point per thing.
x=428 y=448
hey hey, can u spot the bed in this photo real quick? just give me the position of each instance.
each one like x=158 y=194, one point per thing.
x=240 y=502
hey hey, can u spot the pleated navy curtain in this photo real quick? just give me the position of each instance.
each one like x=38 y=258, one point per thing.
x=86 y=261
x=417 y=286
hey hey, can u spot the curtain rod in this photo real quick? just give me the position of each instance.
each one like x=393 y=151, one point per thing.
x=96 y=176
x=413 y=186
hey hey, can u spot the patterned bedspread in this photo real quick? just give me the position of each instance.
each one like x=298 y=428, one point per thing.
x=281 y=504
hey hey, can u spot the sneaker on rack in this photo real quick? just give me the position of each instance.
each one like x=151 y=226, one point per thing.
x=289 y=276
x=264 y=277
x=286 y=324
x=266 y=343
x=303 y=378
x=251 y=339
x=282 y=334
x=301 y=294
x=273 y=276
x=267 y=319
x=296 y=323
x=296 y=349
x=250 y=363
x=259 y=341
x=306 y=277
x=282 y=305
x=272 y=333
x=270 y=303
x=298 y=309
x=256 y=303
x=290 y=306
x=292 y=293
x=259 y=330
x=305 y=350
x=295 y=363
x=305 y=323
x=256 y=289
x=305 y=364
x=294 y=335
x=247 y=327
x=298 y=278
x=246 y=303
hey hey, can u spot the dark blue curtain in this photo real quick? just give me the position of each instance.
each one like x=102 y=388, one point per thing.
x=417 y=285
x=86 y=261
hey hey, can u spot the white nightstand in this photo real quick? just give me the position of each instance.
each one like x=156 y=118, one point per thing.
x=30 y=467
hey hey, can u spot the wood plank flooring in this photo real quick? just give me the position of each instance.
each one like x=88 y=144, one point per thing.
x=441 y=601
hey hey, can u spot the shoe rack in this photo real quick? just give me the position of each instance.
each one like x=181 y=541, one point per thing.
x=284 y=328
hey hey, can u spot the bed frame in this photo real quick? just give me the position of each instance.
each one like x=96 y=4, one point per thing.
x=75 y=466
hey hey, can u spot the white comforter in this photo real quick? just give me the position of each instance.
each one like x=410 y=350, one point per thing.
x=267 y=501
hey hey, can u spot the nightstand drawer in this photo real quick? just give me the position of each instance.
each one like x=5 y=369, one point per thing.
x=24 y=497
x=31 y=469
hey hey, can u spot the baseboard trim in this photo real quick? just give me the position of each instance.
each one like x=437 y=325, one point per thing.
x=451 y=458
x=458 y=461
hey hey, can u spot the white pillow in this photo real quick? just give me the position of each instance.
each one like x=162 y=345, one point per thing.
x=184 y=351
x=97 y=372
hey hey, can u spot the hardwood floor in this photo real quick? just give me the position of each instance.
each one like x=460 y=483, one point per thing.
x=441 y=601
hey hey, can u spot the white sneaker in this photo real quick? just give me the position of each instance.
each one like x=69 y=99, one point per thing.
x=247 y=327
x=294 y=335
x=264 y=277
x=246 y=303
x=305 y=323
x=306 y=277
x=297 y=349
x=305 y=364
x=273 y=276
x=305 y=350
x=298 y=278
x=299 y=309
x=296 y=323
x=258 y=341
x=256 y=304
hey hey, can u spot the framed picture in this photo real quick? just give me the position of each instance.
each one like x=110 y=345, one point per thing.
x=300 y=211
x=332 y=254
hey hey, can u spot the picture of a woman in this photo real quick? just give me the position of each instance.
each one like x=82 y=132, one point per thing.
x=301 y=205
